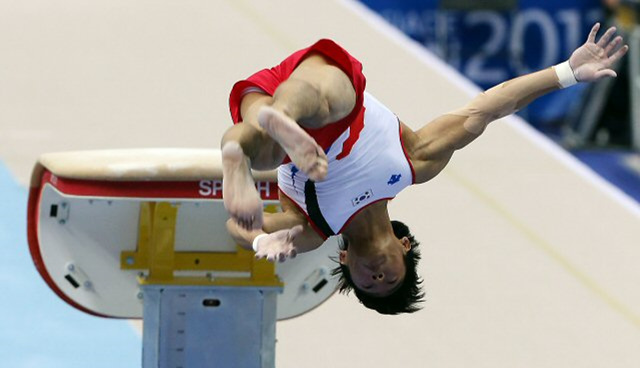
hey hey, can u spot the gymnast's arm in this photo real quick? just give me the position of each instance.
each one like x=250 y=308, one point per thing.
x=291 y=216
x=432 y=146
x=304 y=241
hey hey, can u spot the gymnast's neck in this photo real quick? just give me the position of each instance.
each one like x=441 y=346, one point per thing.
x=369 y=227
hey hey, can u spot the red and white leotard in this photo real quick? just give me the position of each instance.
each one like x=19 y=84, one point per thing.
x=376 y=168
x=367 y=161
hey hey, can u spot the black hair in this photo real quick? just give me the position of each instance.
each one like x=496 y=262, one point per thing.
x=407 y=297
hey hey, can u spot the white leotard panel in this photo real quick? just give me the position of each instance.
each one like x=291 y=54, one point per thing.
x=376 y=168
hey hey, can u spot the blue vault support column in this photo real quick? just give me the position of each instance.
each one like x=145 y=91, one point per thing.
x=197 y=327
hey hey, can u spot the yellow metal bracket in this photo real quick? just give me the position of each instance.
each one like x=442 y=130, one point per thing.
x=156 y=253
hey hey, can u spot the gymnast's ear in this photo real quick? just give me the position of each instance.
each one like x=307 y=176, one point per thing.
x=342 y=257
x=406 y=243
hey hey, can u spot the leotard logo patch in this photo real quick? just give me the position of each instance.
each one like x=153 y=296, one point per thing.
x=394 y=179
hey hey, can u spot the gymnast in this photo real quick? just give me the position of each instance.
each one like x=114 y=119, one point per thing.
x=342 y=155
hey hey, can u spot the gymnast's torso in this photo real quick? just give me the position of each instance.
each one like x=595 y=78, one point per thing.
x=367 y=164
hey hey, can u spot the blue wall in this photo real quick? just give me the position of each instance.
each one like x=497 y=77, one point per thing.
x=490 y=46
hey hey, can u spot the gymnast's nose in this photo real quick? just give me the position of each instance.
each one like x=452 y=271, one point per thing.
x=378 y=276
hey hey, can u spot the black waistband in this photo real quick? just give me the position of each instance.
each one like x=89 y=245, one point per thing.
x=313 y=208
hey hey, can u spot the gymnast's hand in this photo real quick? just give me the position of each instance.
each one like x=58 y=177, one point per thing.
x=278 y=245
x=592 y=60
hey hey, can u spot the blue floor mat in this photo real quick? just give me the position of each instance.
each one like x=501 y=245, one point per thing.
x=37 y=329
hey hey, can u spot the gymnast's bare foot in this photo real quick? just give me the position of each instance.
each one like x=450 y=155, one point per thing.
x=241 y=199
x=303 y=150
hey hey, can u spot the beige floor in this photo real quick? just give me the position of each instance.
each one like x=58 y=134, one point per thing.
x=529 y=260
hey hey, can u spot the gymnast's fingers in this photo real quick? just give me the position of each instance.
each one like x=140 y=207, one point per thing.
x=606 y=36
x=612 y=45
x=594 y=31
x=618 y=54
x=605 y=73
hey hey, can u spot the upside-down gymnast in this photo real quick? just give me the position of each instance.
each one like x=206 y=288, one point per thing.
x=342 y=155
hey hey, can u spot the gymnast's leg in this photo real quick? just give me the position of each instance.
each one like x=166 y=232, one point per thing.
x=246 y=146
x=315 y=95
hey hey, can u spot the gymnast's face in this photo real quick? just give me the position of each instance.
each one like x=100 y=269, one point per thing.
x=381 y=272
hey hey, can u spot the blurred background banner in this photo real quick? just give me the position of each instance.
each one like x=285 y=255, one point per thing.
x=495 y=40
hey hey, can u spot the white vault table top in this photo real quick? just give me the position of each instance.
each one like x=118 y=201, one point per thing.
x=140 y=164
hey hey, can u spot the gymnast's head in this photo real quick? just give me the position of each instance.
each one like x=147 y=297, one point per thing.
x=383 y=279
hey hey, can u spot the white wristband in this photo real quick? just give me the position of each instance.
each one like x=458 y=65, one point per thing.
x=254 y=245
x=566 y=78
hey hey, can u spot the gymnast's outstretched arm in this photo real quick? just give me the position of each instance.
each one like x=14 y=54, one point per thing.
x=432 y=146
